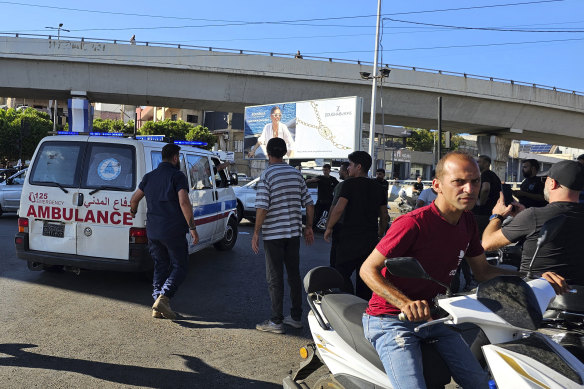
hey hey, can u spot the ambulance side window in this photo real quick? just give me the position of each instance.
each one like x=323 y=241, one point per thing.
x=183 y=165
x=57 y=162
x=156 y=159
x=110 y=165
x=199 y=172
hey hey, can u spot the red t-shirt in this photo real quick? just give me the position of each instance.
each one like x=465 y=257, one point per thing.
x=439 y=247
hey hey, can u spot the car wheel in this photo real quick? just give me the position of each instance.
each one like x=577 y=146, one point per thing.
x=230 y=236
x=239 y=212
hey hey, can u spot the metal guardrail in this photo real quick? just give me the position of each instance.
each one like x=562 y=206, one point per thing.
x=289 y=55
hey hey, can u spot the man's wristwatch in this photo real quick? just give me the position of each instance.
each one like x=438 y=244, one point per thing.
x=496 y=216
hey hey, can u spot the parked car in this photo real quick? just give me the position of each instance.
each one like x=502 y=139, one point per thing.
x=5 y=173
x=246 y=195
x=10 y=190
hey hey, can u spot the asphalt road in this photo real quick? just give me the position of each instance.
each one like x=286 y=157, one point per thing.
x=61 y=330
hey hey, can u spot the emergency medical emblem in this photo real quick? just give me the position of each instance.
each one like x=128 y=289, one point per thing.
x=87 y=231
x=109 y=169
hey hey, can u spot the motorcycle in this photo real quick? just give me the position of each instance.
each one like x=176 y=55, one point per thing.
x=507 y=309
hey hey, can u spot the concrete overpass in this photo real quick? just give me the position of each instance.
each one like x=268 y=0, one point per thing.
x=228 y=81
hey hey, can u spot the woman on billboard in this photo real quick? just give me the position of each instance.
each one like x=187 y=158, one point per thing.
x=275 y=129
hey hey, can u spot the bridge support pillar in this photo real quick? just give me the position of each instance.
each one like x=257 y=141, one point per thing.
x=497 y=148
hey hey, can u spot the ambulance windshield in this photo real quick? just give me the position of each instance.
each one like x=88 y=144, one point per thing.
x=85 y=165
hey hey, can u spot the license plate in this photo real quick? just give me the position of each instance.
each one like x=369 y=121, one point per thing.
x=54 y=230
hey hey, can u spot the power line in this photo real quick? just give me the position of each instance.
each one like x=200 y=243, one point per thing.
x=453 y=46
x=229 y=22
x=486 y=28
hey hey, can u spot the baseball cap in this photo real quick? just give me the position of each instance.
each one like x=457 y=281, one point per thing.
x=569 y=174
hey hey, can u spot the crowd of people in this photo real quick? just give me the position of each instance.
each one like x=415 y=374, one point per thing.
x=462 y=215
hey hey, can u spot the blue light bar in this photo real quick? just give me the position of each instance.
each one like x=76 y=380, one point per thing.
x=68 y=133
x=190 y=143
x=115 y=134
x=156 y=138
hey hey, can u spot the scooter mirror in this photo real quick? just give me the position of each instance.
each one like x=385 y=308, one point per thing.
x=407 y=267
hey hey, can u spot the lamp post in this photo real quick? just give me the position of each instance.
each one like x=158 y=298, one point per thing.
x=374 y=89
x=383 y=73
x=58 y=30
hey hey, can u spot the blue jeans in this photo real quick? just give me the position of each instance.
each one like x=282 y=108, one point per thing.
x=398 y=347
x=171 y=259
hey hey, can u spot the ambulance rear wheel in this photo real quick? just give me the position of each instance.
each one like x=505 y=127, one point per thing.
x=230 y=236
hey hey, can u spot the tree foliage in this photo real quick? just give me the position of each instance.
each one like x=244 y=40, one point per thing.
x=109 y=125
x=423 y=140
x=179 y=130
x=39 y=124
x=202 y=134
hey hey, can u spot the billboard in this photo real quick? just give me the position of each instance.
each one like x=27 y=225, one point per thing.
x=328 y=128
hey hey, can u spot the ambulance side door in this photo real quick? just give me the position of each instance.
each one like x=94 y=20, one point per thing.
x=202 y=197
x=223 y=197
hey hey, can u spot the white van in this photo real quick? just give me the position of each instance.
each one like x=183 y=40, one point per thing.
x=75 y=204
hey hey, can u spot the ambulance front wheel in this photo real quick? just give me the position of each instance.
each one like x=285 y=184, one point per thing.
x=230 y=236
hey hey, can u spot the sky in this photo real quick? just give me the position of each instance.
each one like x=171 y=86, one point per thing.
x=537 y=41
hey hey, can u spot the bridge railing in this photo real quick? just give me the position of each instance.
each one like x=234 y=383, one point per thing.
x=291 y=55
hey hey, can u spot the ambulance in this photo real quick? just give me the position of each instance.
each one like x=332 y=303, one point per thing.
x=75 y=203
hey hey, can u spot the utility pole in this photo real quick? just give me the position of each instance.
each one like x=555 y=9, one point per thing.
x=374 y=92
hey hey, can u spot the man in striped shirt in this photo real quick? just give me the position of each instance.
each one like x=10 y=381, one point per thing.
x=280 y=195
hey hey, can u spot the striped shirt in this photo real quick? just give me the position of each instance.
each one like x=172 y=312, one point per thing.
x=282 y=192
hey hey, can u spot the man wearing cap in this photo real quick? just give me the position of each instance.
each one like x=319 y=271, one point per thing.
x=562 y=187
x=580 y=159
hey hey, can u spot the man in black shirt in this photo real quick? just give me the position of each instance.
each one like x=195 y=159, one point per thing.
x=380 y=179
x=418 y=186
x=530 y=193
x=326 y=185
x=170 y=217
x=489 y=193
x=563 y=255
x=362 y=202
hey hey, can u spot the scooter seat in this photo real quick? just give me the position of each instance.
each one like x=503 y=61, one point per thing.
x=572 y=302
x=344 y=313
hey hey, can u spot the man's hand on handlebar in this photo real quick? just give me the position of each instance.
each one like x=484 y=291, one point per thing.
x=417 y=310
x=558 y=282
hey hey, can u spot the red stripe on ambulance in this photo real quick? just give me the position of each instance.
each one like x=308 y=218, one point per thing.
x=70 y=214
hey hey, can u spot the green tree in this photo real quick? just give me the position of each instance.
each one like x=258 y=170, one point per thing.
x=179 y=130
x=420 y=140
x=202 y=134
x=39 y=124
x=423 y=140
x=109 y=125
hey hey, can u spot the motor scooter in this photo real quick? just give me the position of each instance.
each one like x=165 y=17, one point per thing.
x=508 y=310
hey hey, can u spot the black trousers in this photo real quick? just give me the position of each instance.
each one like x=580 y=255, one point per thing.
x=280 y=253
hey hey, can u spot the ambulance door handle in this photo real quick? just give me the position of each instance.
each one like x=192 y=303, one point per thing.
x=216 y=195
x=79 y=199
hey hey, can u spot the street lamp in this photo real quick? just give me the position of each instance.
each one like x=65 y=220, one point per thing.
x=381 y=74
x=58 y=30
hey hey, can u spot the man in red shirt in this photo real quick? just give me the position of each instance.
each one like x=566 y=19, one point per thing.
x=439 y=236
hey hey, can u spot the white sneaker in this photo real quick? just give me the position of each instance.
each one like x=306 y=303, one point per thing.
x=270 y=326
x=292 y=323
